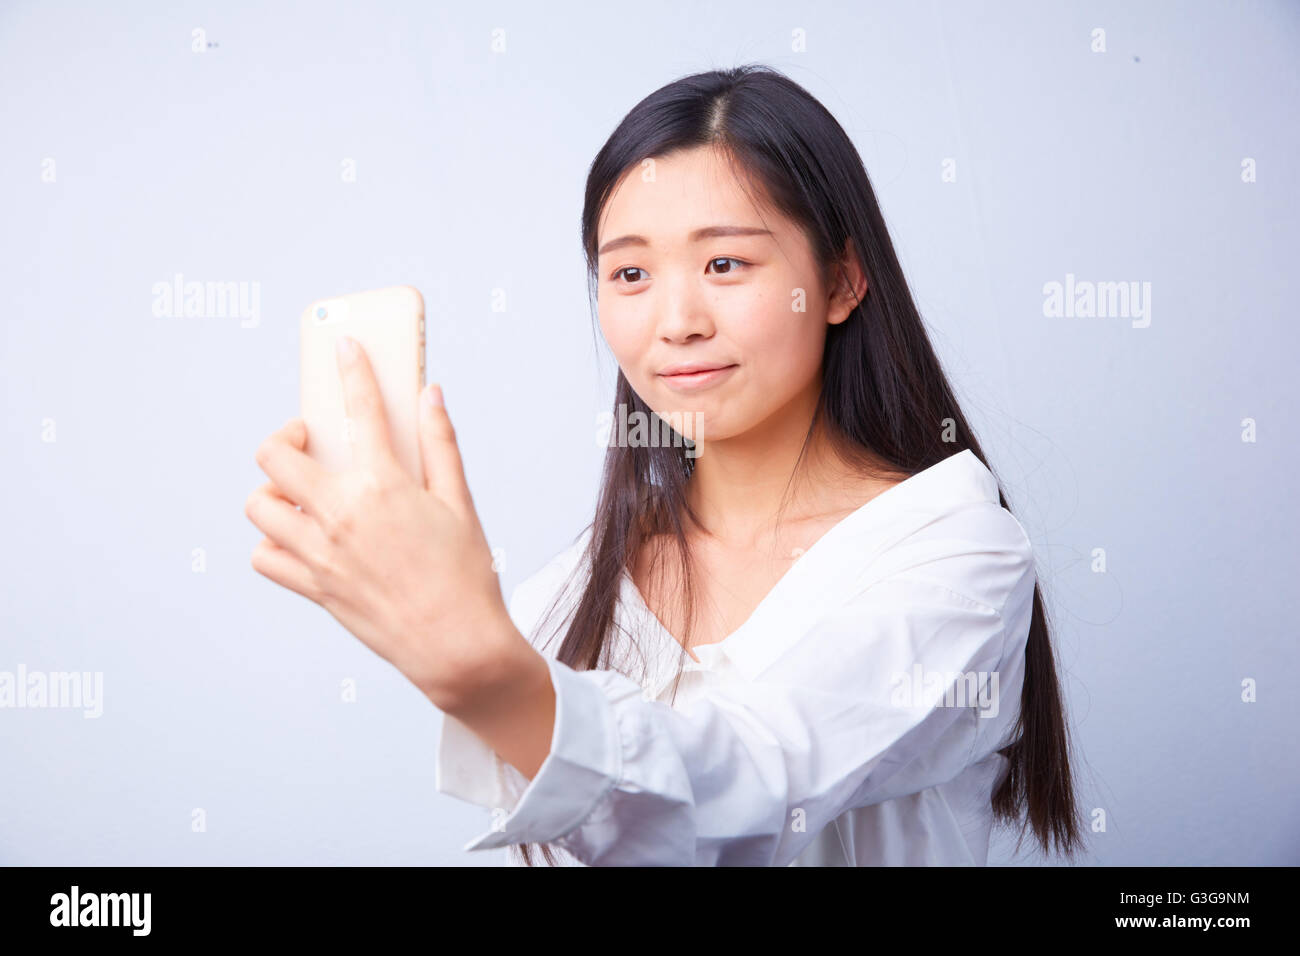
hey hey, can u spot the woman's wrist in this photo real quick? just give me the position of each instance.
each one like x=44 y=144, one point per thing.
x=464 y=669
x=505 y=696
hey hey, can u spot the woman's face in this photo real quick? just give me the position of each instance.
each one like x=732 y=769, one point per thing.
x=692 y=274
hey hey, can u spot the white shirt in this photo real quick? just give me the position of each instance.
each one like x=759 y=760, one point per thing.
x=852 y=720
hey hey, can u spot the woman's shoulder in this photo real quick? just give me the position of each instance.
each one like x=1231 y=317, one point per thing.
x=946 y=526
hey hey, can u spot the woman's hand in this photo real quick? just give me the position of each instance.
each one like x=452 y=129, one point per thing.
x=404 y=567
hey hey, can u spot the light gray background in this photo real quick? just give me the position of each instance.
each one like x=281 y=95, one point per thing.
x=222 y=689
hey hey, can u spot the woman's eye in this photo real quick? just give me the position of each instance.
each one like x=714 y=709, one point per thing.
x=636 y=274
x=617 y=272
x=730 y=269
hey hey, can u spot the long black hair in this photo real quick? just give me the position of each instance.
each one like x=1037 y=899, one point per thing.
x=886 y=405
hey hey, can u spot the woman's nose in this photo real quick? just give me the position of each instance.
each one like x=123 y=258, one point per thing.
x=683 y=314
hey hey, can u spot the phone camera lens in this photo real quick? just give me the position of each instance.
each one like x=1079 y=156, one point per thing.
x=320 y=312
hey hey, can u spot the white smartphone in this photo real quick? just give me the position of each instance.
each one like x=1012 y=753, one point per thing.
x=389 y=325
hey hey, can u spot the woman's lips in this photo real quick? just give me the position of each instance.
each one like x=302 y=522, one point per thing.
x=695 y=381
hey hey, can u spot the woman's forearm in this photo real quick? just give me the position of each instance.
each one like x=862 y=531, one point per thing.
x=509 y=701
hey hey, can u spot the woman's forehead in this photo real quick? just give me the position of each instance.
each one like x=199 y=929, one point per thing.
x=674 y=198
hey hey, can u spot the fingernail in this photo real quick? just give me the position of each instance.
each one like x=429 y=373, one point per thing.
x=433 y=396
x=347 y=347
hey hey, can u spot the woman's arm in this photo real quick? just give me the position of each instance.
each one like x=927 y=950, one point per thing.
x=509 y=703
x=869 y=705
x=403 y=565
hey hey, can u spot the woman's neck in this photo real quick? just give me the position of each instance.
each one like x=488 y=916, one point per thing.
x=739 y=484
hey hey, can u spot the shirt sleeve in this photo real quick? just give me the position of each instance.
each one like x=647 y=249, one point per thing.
x=882 y=697
x=467 y=768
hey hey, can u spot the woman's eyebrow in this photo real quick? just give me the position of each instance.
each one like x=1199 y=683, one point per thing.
x=708 y=232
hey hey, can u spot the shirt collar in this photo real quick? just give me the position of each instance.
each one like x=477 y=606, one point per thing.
x=822 y=576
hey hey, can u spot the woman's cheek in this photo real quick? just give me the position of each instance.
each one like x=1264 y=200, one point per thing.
x=784 y=354
x=618 y=335
x=630 y=353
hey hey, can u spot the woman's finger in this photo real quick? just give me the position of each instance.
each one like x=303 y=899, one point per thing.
x=371 y=443
x=271 y=489
x=275 y=515
x=299 y=477
x=444 y=473
x=295 y=433
x=274 y=562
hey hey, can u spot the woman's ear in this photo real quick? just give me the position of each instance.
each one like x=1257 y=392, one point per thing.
x=850 y=285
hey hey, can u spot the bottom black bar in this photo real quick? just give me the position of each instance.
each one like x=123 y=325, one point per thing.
x=927 y=906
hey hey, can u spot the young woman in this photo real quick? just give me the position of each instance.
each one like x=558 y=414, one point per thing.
x=807 y=632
